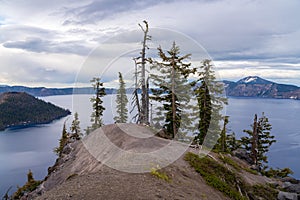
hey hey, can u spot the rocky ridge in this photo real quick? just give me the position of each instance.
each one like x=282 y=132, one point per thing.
x=79 y=175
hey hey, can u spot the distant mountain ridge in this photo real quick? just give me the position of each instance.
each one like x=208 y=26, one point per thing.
x=251 y=86
x=43 y=91
x=254 y=86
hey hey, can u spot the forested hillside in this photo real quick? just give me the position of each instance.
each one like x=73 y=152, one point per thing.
x=19 y=108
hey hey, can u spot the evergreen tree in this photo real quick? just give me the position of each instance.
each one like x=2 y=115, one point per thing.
x=171 y=89
x=30 y=178
x=29 y=186
x=121 y=102
x=96 y=117
x=210 y=102
x=222 y=145
x=205 y=111
x=62 y=141
x=232 y=142
x=75 y=128
x=258 y=141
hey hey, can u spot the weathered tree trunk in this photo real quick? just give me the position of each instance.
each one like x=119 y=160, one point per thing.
x=254 y=141
x=144 y=115
x=173 y=102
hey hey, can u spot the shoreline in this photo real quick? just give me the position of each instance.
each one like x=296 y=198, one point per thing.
x=23 y=126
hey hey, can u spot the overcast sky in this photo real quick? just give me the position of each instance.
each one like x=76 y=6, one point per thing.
x=49 y=43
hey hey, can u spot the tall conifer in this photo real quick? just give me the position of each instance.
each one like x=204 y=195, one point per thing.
x=121 y=102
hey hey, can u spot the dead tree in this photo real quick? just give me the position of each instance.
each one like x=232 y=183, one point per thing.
x=142 y=116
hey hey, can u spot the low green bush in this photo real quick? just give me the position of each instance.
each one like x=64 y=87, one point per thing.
x=216 y=175
x=227 y=181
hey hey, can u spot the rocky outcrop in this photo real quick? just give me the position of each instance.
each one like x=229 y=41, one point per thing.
x=77 y=174
x=243 y=155
x=291 y=189
x=288 y=196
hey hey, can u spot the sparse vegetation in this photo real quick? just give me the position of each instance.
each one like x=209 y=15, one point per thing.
x=159 y=174
x=278 y=173
x=29 y=186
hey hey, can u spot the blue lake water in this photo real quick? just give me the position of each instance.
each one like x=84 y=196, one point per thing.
x=22 y=149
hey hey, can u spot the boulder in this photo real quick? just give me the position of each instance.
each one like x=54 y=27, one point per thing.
x=295 y=188
x=287 y=196
x=286 y=184
x=163 y=134
x=243 y=155
x=67 y=149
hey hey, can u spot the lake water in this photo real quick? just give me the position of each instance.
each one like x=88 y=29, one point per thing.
x=22 y=149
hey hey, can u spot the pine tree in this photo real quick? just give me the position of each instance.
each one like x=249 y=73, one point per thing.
x=75 y=128
x=258 y=141
x=96 y=117
x=29 y=186
x=62 y=141
x=232 y=142
x=210 y=102
x=171 y=89
x=205 y=111
x=121 y=102
x=30 y=178
x=222 y=145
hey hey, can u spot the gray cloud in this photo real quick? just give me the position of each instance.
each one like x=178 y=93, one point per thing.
x=263 y=33
x=39 y=45
x=102 y=9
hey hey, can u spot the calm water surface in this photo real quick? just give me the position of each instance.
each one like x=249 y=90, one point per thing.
x=22 y=149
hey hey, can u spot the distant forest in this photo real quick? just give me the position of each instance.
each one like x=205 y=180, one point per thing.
x=19 y=108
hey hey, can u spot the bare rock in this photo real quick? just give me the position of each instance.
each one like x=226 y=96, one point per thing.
x=290 y=179
x=295 y=188
x=163 y=134
x=243 y=155
x=287 y=196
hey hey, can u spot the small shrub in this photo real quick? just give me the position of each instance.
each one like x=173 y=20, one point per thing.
x=261 y=192
x=159 y=174
x=278 y=173
x=230 y=162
